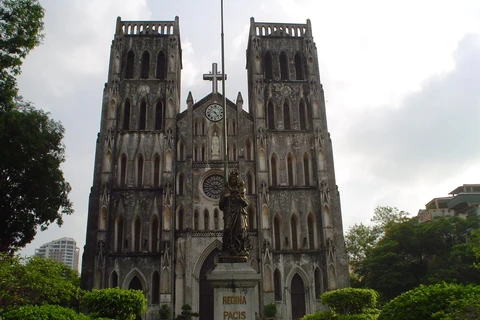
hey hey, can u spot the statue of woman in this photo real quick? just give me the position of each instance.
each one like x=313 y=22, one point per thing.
x=233 y=204
x=215 y=145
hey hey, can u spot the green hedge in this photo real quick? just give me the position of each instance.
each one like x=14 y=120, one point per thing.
x=44 y=312
x=350 y=300
x=114 y=303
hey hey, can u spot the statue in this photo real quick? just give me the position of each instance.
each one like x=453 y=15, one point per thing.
x=215 y=145
x=235 y=235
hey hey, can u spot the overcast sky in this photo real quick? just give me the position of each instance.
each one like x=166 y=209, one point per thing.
x=401 y=80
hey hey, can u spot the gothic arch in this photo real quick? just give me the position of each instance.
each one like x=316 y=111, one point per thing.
x=277 y=232
x=303 y=274
x=145 y=67
x=180 y=218
x=287 y=115
x=252 y=218
x=318 y=282
x=268 y=66
x=250 y=182
x=271 y=118
x=155 y=287
x=159 y=115
x=274 y=169
x=291 y=170
x=180 y=187
x=136 y=234
x=299 y=73
x=262 y=159
x=284 y=73
x=139 y=170
x=248 y=149
x=113 y=279
x=215 y=244
x=119 y=234
x=135 y=272
x=277 y=285
x=206 y=220
x=180 y=150
x=154 y=233
x=307 y=169
x=195 y=220
x=142 y=121
x=295 y=231
x=304 y=115
x=156 y=170
x=129 y=65
x=161 y=66
x=126 y=114
x=122 y=175
x=311 y=231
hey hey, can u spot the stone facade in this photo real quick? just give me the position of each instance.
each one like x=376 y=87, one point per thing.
x=153 y=220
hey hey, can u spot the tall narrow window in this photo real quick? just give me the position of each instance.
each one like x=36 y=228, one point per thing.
x=283 y=66
x=311 y=236
x=290 y=163
x=248 y=150
x=271 y=115
x=203 y=156
x=123 y=170
x=195 y=220
x=156 y=171
x=268 y=65
x=180 y=220
x=143 y=115
x=303 y=115
x=155 y=232
x=161 y=66
x=129 y=65
x=145 y=65
x=306 y=169
x=155 y=288
x=293 y=225
x=250 y=183
x=180 y=184
x=277 y=285
x=299 y=66
x=215 y=219
x=113 y=280
x=137 y=235
x=159 y=116
x=276 y=230
x=286 y=115
x=119 y=235
x=140 y=171
x=318 y=283
x=273 y=164
x=126 y=115
x=206 y=220
x=251 y=218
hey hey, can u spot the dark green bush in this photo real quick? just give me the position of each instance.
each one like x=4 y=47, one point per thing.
x=321 y=315
x=270 y=310
x=115 y=303
x=44 y=312
x=432 y=302
x=350 y=300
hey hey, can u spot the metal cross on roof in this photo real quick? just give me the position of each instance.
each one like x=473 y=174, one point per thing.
x=214 y=76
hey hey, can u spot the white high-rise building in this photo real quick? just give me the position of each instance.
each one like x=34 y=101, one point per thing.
x=63 y=250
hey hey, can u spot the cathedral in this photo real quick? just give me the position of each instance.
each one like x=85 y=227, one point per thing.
x=154 y=221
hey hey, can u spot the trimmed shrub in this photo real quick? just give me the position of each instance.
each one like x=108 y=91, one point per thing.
x=44 y=312
x=350 y=300
x=321 y=315
x=115 y=303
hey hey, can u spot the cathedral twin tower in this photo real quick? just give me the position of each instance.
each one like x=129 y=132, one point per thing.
x=153 y=220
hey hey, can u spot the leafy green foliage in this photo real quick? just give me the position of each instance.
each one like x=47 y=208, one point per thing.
x=36 y=281
x=321 y=315
x=350 y=300
x=44 y=312
x=437 y=301
x=33 y=191
x=21 y=25
x=164 y=312
x=187 y=313
x=270 y=310
x=115 y=303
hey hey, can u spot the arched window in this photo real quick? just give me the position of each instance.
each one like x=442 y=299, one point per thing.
x=195 y=220
x=250 y=183
x=271 y=115
x=180 y=185
x=126 y=115
x=303 y=115
x=145 y=65
x=268 y=65
x=195 y=128
x=311 y=236
x=140 y=171
x=123 y=170
x=155 y=288
x=276 y=231
x=248 y=150
x=181 y=151
x=286 y=115
x=273 y=165
x=306 y=169
x=251 y=218
x=215 y=219
x=318 y=283
x=180 y=219
x=159 y=115
x=277 y=285
x=143 y=115
x=283 y=66
x=129 y=65
x=203 y=156
x=113 y=280
x=206 y=220
x=155 y=234
x=290 y=169
x=293 y=226
x=299 y=66
x=119 y=235
x=156 y=171
x=137 y=236
x=161 y=66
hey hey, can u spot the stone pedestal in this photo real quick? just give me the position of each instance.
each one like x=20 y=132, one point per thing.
x=234 y=291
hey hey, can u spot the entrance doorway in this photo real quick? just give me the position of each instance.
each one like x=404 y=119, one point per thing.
x=206 y=290
x=298 y=297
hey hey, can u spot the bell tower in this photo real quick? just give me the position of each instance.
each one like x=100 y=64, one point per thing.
x=299 y=203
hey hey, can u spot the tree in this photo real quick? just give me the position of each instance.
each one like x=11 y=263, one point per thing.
x=21 y=25
x=50 y=312
x=33 y=191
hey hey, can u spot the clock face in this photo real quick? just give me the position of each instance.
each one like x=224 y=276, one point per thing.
x=214 y=112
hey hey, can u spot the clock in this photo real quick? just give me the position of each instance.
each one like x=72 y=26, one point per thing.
x=214 y=112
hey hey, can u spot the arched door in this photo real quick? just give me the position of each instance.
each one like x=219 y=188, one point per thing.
x=136 y=284
x=298 y=297
x=206 y=290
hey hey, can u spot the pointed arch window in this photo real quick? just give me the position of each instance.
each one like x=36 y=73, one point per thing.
x=119 y=235
x=215 y=219
x=268 y=65
x=159 y=115
x=126 y=115
x=290 y=169
x=180 y=217
x=273 y=165
x=143 y=115
x=145 y=70
x=203 y=155
x=161 y=66
x=155 y=288
x=283 y=66
x=250 y=183
x=129 y=65
x=311 y=236
x=206 y=220
x=155 y=234
x=248 y=150
x=276 y=231
x=293 y=226
x=318 y=283
x=181 y=151
x=271 y=115
x=277 y=285
x=137 y=236
x=180 y=185
x=123 y=170
x=299 y=66
x=286 y=116
x=251 y=219
x=306 y=169
x=195 y=220
x=303 y=115
x=140 y=171
x=156 y=171
x=114 y=280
